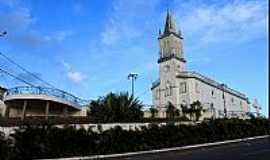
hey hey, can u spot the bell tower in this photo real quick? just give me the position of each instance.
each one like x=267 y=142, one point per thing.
x=171 y=62
x=171 y=56
x=170 y=41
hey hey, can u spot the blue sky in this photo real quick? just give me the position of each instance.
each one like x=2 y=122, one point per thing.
x=89 y=47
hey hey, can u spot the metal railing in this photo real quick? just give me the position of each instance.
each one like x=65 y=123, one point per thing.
x=30 y=90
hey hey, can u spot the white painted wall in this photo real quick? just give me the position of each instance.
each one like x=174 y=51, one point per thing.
x=207 y=94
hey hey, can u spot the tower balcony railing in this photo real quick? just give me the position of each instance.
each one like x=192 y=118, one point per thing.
x=33 y=90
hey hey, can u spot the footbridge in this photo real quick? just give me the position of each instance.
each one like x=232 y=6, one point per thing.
x=41 y=101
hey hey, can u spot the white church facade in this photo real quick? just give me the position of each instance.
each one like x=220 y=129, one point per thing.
x=178 y=86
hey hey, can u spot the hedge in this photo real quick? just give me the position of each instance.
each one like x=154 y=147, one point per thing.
x=46 y=141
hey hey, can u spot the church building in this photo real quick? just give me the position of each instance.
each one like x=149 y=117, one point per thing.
x=180 y=87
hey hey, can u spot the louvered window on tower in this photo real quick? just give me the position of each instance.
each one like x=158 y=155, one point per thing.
x=183 y=87
x=168 y=90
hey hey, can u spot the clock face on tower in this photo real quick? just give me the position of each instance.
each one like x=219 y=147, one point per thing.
x=166 y=68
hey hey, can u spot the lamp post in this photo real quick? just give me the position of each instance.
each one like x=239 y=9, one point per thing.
x=133 y=77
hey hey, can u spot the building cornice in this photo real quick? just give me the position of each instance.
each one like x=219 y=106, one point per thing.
x=168 y=34
x=163 y=59
x=155 y=84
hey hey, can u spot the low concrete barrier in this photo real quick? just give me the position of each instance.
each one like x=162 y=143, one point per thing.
x=161 y=150
x=103 y=126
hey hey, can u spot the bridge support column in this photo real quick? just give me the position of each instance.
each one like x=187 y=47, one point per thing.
x=47 y=110
x=24 y=110
x=65 y=112
x=6 y=111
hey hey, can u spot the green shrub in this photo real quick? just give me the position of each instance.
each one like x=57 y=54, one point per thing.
x=116 y=108
x=45 y=141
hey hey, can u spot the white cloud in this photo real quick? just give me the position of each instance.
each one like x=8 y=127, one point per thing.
x=111 y=34
x=18 y=21
x=127 y=21
x=74 y=76
x=62 y=35
x=236 y=21
x=35 y=39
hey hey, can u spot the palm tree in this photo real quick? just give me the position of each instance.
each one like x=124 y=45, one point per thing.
x=196 y=108
x=116 y=108
x=153 y=111
x=170 y=111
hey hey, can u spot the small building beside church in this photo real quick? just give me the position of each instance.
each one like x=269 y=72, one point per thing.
x=180 y=87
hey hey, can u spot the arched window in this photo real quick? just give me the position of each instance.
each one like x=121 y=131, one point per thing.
x=168 y=89
x=167 y=44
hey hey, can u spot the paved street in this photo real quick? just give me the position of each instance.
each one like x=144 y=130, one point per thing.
x=252 y=150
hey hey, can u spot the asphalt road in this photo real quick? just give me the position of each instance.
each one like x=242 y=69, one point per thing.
x=251 y=150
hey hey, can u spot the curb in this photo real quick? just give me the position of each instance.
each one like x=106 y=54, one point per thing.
x=161 y=150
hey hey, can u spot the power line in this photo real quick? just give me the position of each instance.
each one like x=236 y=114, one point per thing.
x=28 y=72
x=5 y=80
x=18 y=78
x=144 y=92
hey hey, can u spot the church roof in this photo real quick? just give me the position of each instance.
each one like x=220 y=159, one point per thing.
x=211 y=82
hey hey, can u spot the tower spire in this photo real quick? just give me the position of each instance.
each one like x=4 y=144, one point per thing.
x=169 y=24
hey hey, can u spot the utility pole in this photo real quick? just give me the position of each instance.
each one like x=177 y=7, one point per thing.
x=133 y=77
x=224 y=101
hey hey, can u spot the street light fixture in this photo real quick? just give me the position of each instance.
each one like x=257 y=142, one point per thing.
x=133 y=77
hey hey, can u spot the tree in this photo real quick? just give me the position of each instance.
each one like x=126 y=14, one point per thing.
x=184 y=110
x=196 y=109
x=153 y=111
x=116 y=108
x=170 y=111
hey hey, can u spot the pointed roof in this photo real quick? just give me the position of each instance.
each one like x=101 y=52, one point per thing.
x=169 y=24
